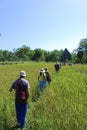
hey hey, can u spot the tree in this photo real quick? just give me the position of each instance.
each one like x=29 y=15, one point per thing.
x=54 y=55
x=83 y=45
x=7 y=56
x=80 y=55
x=82 y=51
x=1 y=55
x=23 y=53
x=38 y=55
x=74 y=57
x=84 y=58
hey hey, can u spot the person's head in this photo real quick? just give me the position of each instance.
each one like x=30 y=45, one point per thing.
x=45 y=69
x=22 y=74
x=42 y=71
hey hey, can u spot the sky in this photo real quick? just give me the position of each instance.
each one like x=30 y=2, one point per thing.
x=45 y=24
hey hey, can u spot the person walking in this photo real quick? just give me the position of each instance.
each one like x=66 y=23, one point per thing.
x=42 y=79
x=48 y=76
x=22 y=93
x=57 y=67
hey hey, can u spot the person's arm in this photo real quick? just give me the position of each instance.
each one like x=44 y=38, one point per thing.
x=28 y=90
x=12 y=87
x=28 y=93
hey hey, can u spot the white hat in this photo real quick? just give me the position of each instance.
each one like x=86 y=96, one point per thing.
x=22 y=73
x=42 y=70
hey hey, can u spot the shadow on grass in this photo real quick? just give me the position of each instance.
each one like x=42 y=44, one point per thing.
x=16 y=127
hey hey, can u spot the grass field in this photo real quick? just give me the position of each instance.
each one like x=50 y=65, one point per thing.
x=62 y=105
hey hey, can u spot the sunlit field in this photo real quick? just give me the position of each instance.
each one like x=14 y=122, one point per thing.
x=62 y=105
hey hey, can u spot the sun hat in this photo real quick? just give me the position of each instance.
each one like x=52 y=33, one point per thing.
x=22 y=73
x=42 y=70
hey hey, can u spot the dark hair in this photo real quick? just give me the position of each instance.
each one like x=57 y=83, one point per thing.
x=46 y=69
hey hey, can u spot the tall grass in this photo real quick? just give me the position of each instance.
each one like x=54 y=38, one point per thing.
x=62 y=105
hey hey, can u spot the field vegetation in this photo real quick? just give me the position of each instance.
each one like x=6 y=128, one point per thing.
x=62 y=105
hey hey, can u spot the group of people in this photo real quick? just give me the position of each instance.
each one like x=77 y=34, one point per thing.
x=44 y=78
x=22 y=93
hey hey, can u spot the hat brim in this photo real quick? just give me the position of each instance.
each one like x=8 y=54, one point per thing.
x=22 y=75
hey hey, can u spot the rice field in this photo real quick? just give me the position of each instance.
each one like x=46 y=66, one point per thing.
x=62 y=105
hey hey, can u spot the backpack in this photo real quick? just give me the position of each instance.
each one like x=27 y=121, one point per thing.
x=48 y=77
x=21 y=91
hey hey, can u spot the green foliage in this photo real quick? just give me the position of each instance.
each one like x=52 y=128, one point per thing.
x=62 y=105
x=75 y=59
x=38 y=55
x=82 y=51
x=23 y=53
x=83 y=44
x=54 y=55
x=26 y=54
x=80 y=55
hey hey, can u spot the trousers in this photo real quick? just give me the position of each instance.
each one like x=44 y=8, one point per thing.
x=21 y=110
x=42 y=85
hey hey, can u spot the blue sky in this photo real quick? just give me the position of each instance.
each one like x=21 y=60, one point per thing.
x=45 y=24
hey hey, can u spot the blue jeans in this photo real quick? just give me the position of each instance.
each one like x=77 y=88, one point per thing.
x=42 y=84
x=21 y=109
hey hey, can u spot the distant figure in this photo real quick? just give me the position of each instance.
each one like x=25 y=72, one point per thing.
x=57 y=67
x=70 y=64
x=22 y=89
x=42 y=79
x=48 y=76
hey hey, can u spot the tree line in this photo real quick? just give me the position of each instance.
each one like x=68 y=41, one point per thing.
x=24 y=53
